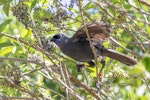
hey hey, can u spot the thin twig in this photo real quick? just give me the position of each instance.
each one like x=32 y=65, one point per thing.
x=99 y=4
x=49 y=89
x=134 y=38
x=21 y=88
x=34 y=30
x=62 y=83
x=84 y=75
x=148 y=87
x=2 y=97
x=21 y=60
x=145 y=2
x=138 y=9
x=90 y=42
x=88 y=89
x=64 y=79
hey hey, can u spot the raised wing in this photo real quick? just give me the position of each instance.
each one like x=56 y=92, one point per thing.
x=98 y=31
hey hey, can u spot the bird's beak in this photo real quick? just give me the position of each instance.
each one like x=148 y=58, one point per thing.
x=52 y=39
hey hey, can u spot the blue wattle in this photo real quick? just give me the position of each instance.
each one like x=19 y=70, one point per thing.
x=57 y=41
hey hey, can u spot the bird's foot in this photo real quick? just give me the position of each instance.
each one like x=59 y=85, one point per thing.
x=103 y=65
x=91 y=64
x=79 y=66
x=99 y=75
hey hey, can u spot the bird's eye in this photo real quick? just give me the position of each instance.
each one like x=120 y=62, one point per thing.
x=56 y=36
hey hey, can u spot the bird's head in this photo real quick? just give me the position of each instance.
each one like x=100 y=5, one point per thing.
x=59 y=39
x=56 y=38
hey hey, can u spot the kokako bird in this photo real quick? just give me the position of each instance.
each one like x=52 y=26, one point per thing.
x=78 y=48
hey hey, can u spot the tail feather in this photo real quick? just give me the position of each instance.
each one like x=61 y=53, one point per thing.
x=119 y=57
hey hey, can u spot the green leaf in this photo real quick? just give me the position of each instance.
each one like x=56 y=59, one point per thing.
x=33 y=4
x=2 y=2
x=126 y=5
x=42 y=15
x=6 y=8
x=40 y=80
x=4 y=24
x=6 y=50
x=5 y=44
x=26 y=34
x=27 y=3
x=89 y=6
x=93 y=74
x=146 y=62
x=136 y=72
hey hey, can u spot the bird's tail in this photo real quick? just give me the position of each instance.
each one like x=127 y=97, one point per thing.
x=119 y=57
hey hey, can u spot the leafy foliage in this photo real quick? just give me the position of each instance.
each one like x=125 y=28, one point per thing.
x=31 y=68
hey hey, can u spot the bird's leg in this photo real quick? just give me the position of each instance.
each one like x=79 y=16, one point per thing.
x=79 y=66
x=103 y=62
x=100 y=48
x=99 y=84
x=103 y=65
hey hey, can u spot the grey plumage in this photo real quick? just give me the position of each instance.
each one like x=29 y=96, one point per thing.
x=79 y=49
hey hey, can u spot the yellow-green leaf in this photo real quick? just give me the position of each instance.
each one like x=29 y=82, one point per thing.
x=146 y=62
x=6 y=50
x=26 y=34
x=6 y=8
x=33 y=4
x=4 y=24
x=136 y=72
x=27 y=3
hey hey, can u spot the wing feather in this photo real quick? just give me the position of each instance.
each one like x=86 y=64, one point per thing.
x=97 y=31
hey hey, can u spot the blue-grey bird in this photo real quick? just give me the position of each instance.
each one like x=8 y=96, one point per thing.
x=78 y=47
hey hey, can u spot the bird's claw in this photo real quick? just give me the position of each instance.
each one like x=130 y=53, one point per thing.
x=79 y=66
